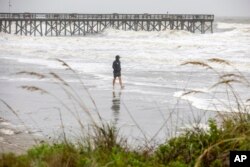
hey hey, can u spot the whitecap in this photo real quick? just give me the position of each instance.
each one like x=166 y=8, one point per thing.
x=7 y=131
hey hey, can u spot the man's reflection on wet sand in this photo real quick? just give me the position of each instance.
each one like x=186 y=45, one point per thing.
x=116 y=101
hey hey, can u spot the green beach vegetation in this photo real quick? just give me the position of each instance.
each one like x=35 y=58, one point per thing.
x=193 y=148
x=197 y=147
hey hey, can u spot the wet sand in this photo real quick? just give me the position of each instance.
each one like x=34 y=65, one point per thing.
x=138 y=113
x=41 y=113
x=14 y=139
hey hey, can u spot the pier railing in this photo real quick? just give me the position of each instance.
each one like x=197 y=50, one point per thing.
x=103 y=16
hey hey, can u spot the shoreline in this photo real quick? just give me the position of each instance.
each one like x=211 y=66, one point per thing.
x=15 y=140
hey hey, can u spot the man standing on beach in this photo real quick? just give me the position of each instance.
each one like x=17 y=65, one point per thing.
x=117 y=70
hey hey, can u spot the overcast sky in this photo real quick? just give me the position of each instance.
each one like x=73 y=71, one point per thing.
x=217 y=7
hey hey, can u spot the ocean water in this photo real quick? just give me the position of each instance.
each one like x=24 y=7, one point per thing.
x=152 y=105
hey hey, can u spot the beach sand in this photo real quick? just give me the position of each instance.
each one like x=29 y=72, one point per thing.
x=14 y=139
x=41 y=112
x=140 y=110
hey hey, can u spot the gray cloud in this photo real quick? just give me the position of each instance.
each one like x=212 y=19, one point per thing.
x=217 y=7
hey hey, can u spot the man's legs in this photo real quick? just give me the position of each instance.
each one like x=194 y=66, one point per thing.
x=114 y=82
x=120 y=81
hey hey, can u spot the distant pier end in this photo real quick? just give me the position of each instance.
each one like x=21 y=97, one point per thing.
x=59 y=24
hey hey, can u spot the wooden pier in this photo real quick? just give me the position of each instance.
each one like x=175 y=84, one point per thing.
x=59 y=24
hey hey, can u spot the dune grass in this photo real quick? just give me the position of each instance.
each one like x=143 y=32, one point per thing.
x=104 y=146
x=193 y=148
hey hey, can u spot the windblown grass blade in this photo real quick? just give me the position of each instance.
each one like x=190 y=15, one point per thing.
x=59 y=78
x=9 y=107
x=218 y=60
x=39 y=75
x=64 y=63
x=34 y=89
x=226 y=82
x=191 y=92
x=82 y=84
x=197 y=63
x=231 y=76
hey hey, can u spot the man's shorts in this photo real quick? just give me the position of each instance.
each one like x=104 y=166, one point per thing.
x=117 y=74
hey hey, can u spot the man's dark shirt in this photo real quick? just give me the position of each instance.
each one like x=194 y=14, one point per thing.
x=117 y=66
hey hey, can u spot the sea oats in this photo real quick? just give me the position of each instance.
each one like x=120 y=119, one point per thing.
x=34 y=89
x=197 y=63
x=41 y=76
x=190 y=92
x=220 y=61
x=59 y=78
